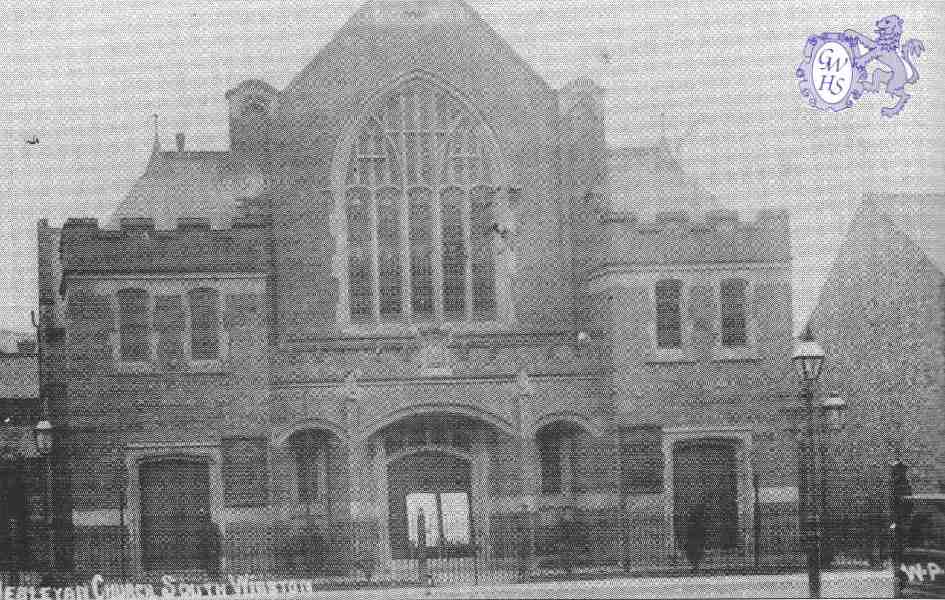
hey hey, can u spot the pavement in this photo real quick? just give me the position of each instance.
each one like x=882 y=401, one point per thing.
x=836 y=584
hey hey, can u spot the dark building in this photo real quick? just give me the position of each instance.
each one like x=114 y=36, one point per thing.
x=22 y=520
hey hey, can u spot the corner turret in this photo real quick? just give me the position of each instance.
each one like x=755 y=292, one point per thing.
x=252 y=106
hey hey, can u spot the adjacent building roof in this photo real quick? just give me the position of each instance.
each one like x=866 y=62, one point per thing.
x=921 y=217
x=189 y=184
x=647 y=180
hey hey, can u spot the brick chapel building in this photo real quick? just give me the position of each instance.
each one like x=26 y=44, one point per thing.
x=419 y=280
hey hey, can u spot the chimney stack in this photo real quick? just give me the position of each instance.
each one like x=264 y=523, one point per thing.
x=180 y=142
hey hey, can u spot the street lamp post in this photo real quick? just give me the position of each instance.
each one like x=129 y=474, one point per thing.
x=808 y=359
x=831 y=410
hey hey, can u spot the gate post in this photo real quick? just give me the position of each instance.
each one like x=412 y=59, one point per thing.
x=529 y=462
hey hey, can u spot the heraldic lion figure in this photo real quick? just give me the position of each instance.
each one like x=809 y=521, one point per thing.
x=885 y=49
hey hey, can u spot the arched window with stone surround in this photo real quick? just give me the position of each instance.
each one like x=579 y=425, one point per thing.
x=669 y=313
x=204 y=324
x=134 y=328
x=420 y=189
x=734 y=309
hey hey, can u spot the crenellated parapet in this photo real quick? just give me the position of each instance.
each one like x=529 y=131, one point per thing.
x=193 y=247
x=671 y=238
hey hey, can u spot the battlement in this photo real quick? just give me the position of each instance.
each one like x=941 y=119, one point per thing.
x=137 y=247
x=672 y=238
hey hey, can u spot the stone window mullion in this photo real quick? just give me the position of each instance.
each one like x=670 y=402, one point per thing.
x=406 y=270
x=436 y=225
x=467 y=238
x=115 y=338
x=375 y=264
x=152 y=338
x=186 y=347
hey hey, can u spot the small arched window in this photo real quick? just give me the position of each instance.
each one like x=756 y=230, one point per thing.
x=311 y=464
x=669 y=313
x=420 y=189
x=557 y=452
x=732 y=300
x=134 y=329
x=204 y=324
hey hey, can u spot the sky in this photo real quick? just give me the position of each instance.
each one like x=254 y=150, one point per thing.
x=715 y=78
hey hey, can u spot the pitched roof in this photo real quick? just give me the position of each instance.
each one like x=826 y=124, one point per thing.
x=921 y=217
x=648 y=179
x=18 y=376
x=189 y=184
x=400 y=16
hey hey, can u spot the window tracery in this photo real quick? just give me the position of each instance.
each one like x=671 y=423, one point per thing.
x=420 y=190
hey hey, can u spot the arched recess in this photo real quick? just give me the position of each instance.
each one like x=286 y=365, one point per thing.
x=434 y=463
x=557 y=441
x=281 y=435
x=572 y=418
x=312 y=454
x=420 y=185
x=470 y=411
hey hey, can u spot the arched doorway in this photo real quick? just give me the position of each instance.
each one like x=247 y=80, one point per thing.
x=441 y=465
x=175 y=515
x=430 y=490
x=705 y=477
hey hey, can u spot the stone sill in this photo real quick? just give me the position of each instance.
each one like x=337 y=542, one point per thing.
x=735 y=354
x=194 y=367
x=718 y=354
x=657 y=357
x=119 y=372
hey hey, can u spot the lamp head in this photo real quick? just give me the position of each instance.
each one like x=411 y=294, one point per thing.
x=44 y=437
x=834 y=406
x=808 y=357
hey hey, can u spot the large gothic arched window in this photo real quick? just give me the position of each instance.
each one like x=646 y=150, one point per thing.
x=420 y=191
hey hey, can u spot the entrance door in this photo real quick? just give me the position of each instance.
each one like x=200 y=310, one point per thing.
x=705 y=475
x=429 y=490
x=175 y=510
